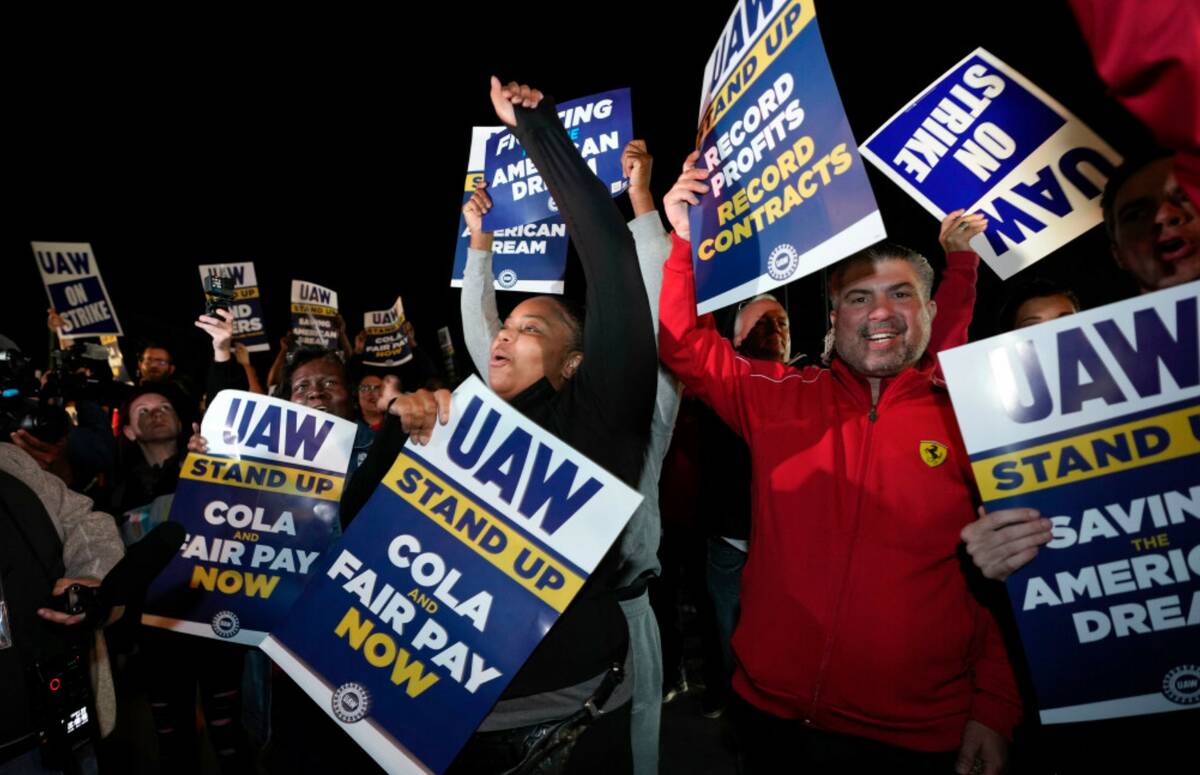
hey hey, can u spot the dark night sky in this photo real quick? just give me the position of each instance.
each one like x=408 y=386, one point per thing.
x=332 y=148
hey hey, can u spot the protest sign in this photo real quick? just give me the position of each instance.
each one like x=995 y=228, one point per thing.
x=986 y=139
x=788 y=194
x=387 y=344
x=248 y=328
x=531 y=257
x=599 y=125
x=314 y=315
x=1094 y=420
x=259 y=508
x=455 y=569
x=76 y=289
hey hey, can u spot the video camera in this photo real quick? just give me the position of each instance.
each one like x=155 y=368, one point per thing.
x=81 y=372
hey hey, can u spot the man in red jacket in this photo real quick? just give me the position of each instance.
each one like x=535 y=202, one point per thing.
x=860 y=646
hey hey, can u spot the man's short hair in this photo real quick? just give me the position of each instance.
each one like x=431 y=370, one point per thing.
x=741 y=309
x=164 y=389
x=1034 y=288
x=878 y=253
x=156 y=345
x=1130 y=167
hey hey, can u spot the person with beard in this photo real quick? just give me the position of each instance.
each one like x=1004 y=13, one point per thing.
x=590 y=380
x=761 y=332
x=860 y=646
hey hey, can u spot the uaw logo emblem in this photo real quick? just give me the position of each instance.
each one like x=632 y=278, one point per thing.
x=351 y=702
x=1182 y=685
x=782 y=262
x=507 y=278
x=933 y=453
x=225 y=624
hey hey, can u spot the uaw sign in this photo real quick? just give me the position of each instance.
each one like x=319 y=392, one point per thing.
x=985 y=138
x=788 y=194
x=529 y=257
x=259 y=507
x=447 y=580
x=314 y=314
x=387 y=344
x=1094 y=420
x=76 y=290
x=248 y=328
x=599 y=126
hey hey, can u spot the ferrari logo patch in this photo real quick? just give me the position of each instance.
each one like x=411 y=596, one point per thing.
x=934 y=453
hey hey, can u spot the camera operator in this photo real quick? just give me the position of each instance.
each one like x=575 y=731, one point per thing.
x=78 y=447
x=51 y=542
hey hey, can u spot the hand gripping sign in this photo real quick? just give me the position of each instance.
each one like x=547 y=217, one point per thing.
x=387 y=344
x=448 y=578
x=530 y=257
x=985 y=138
x=259 y=508
x=1094 y=420
x=76 y=290
x=788 y=194
x=248 y=328
x=314 y=315
x=599 y=125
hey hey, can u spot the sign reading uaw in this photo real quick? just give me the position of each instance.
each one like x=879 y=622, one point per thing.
x=259 y=507
x=446 y=581
x=1094 y=420
x=788 y=193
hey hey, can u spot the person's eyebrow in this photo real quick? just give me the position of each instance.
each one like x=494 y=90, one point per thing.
x=868 y=291
x=1139 y=202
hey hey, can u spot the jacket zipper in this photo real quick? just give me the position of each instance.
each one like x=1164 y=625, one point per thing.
x=877 y=389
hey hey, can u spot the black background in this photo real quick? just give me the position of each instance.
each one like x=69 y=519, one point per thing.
x=330 y=145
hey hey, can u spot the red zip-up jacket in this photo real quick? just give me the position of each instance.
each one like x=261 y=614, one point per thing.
x=856 y=617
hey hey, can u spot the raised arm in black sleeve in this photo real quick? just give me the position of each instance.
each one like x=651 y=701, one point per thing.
x=613 y=390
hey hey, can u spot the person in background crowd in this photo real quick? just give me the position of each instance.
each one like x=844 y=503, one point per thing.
x=50 y=539
x=149 y=461
x=370 y=387
x=1151 y=222
x=1036 y=301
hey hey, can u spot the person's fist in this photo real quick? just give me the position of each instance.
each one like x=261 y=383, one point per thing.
x=419 y=412
x=958 y=228
x=685 y=192
x=513 y=93
x=636 y=163
x=476 y=207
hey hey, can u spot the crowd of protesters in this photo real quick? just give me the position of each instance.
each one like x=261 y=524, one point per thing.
x=817 y=558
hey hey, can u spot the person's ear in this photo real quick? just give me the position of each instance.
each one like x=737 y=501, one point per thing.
x=932 y=309
x=571 y=365
x=129 y=433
